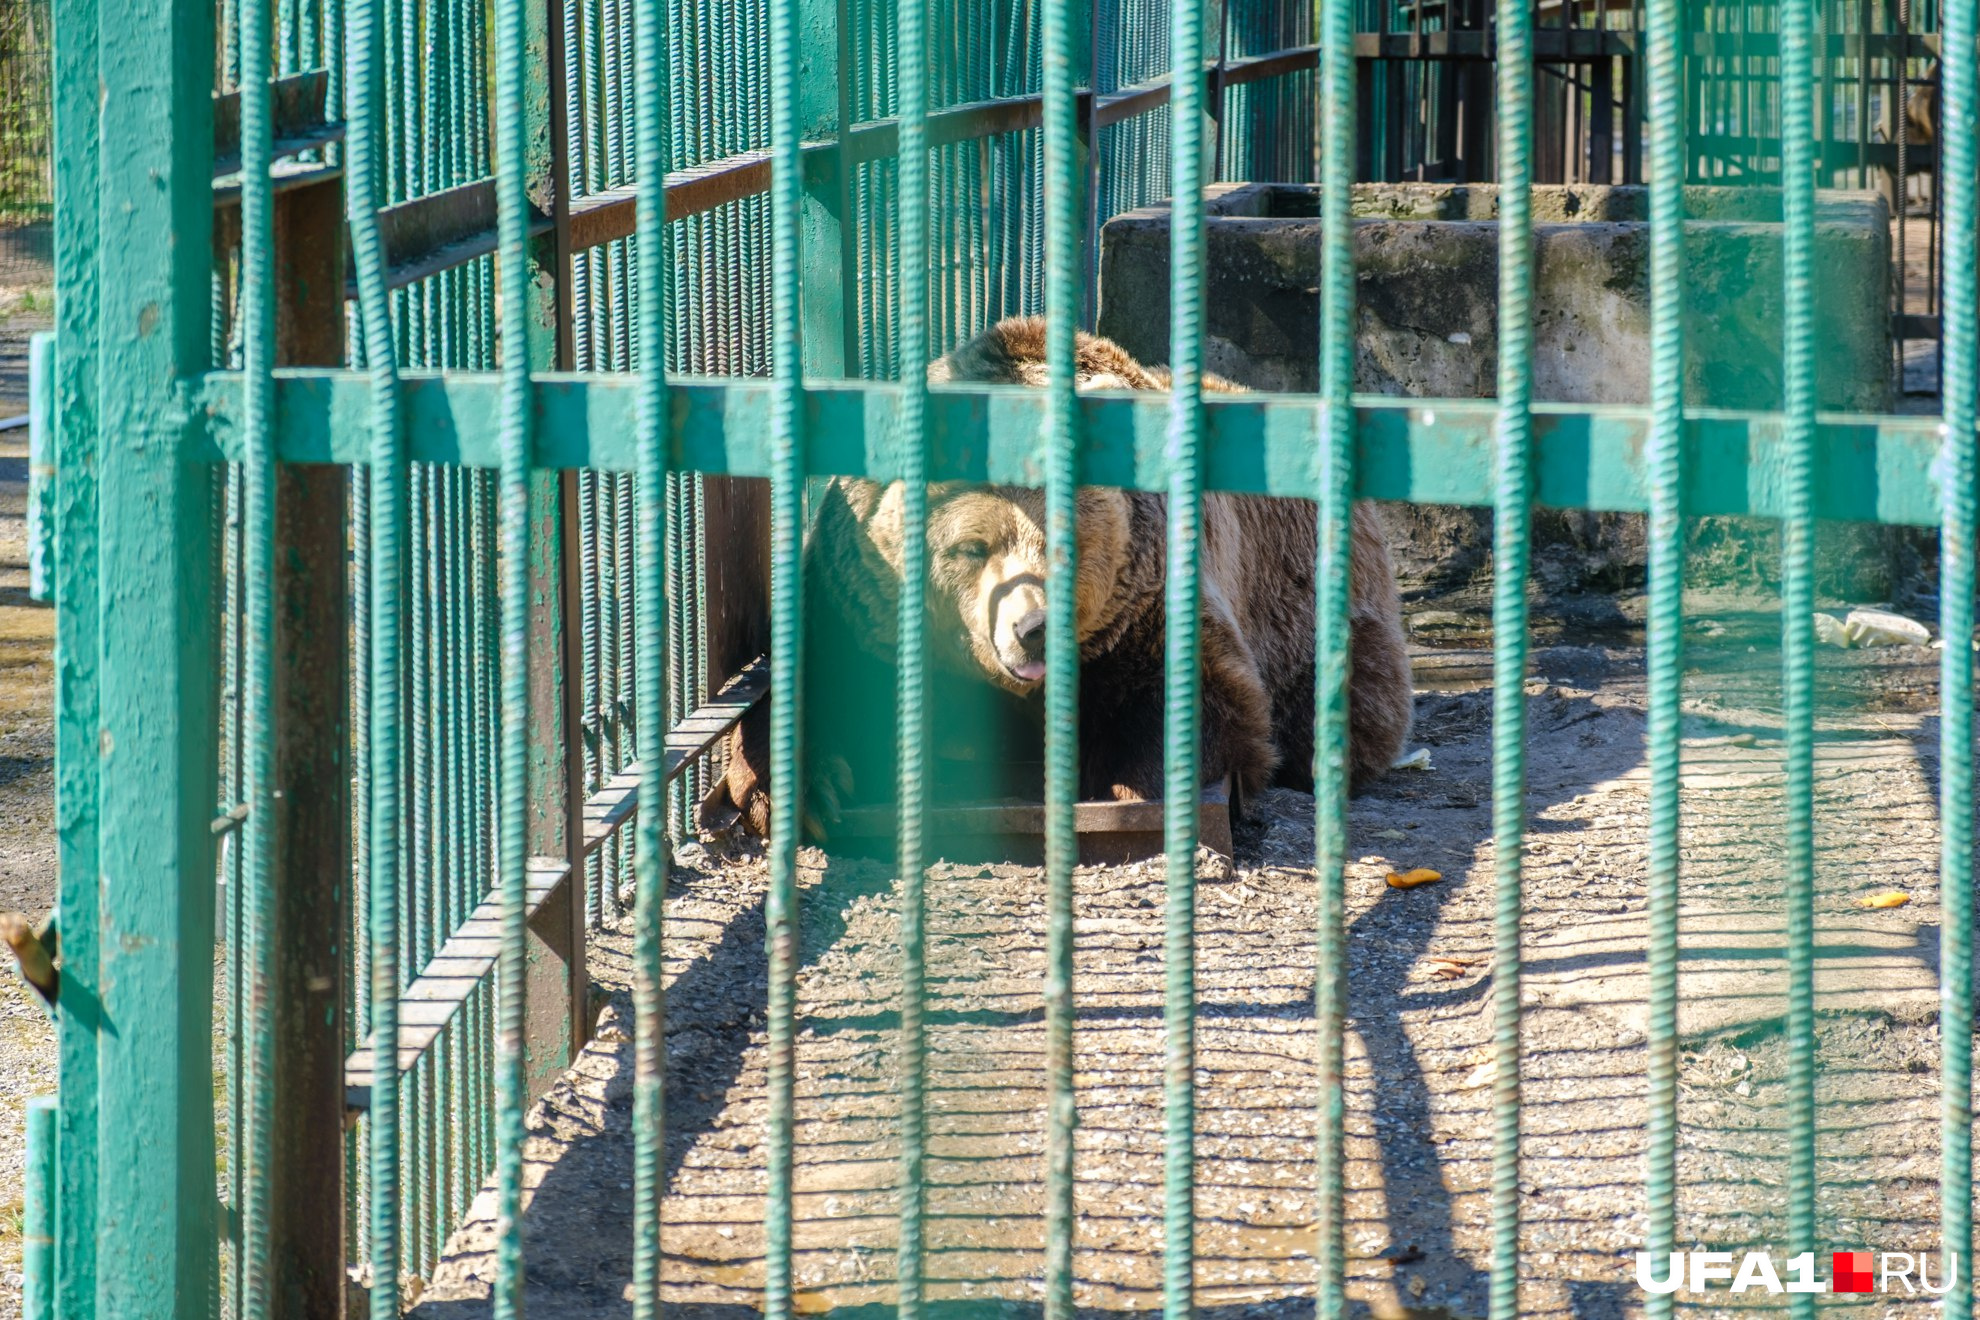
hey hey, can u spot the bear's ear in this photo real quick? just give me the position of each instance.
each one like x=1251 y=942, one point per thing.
x=860 y=496
x=877 y=516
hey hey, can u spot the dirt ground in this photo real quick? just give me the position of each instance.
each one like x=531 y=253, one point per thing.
x=1419 y=1135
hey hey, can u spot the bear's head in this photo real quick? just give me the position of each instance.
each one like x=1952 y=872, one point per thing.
x=987 y=568
x=986 y=544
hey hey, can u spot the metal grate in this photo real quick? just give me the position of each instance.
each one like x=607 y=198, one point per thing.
x=419 y=628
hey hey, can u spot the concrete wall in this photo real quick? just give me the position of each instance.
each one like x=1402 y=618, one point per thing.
x=1426 y=259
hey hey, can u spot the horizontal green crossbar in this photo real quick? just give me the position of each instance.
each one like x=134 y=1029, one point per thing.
x=1868 y=469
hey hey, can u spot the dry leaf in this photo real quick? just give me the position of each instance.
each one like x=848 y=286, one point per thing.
x=1450 y=969
x=1890 y=898
x=1422 y=875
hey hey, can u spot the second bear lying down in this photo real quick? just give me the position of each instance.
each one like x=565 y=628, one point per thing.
x=986 y=603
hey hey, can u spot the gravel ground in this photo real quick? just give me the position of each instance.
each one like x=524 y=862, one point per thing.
x=1418 y=1120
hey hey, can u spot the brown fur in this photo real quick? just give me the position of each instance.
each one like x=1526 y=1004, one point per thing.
x=987 y=566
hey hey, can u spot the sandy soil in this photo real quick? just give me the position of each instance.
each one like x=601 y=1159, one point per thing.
x=1419 y=1136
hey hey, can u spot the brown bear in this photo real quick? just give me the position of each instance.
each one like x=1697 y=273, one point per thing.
x=986 y=602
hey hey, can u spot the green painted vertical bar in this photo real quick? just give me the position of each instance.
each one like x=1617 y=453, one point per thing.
x=829 y=263
x=1665 y=657
x=77 y=655
x=1956 y=586
x=1511 y=525
x=41 y=465
x=255 y=1147
x=38 y=1218
x=789 y=216
x=1798 y=612
x=653 y=141
x=385 y=559
x=156 y=747
x=911 y=311
x=1181 y=756
x=512 y=56
x=1063 y=292
x=1335 y=29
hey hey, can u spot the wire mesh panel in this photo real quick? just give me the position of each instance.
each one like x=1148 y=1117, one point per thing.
x=27 y=198
x=398 y=638
x=25 y=42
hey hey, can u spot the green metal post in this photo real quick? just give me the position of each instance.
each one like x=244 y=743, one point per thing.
x=1956 y=586
x=912 y=369
x=1798 y=613
x=1183 y=455
x=156 y=749
x=255 y=1146
x=649 y=827
x=1511 y=525
x=77 y=152
x=1064 y=271
x=512 y=56
x=1333 y=630
x=41 y=466
x=789 y=216
x=1665 y=660
x=831 y=270
x=38 y=1221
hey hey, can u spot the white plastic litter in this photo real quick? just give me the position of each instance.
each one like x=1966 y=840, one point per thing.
x=1881 y=628
x=1416 y=760
x=1830 y=631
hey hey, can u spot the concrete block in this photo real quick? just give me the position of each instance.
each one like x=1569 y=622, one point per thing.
x=1426 y=263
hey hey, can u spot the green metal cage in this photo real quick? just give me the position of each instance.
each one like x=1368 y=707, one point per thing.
x=419 y=631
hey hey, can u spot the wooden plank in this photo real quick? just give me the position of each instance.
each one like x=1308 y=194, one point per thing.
x=312 y=831
x=443 y=985
x=1111 y=832
x=614 y=804
x=442 y=230
x=463 y=962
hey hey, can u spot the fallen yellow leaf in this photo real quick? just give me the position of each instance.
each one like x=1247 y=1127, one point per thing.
x=1422 y=875
x=1450 y=969
x=1888 y=899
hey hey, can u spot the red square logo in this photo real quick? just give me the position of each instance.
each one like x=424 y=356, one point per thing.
x=1852 y=1272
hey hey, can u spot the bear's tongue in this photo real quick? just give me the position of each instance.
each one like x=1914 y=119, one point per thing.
x=1030 y=671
